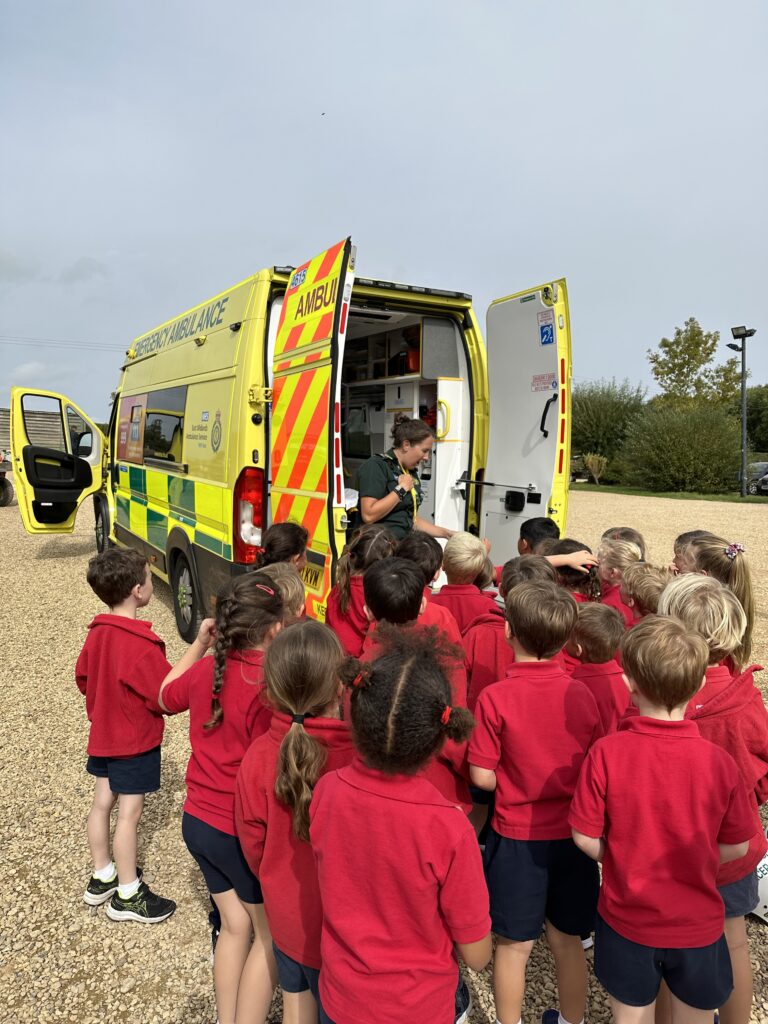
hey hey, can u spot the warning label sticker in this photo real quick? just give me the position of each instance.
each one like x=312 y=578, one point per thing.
x=547 y=316
x=543 y=382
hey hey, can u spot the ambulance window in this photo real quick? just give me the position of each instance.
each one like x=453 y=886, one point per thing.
x=164 y=425
x=43 y=423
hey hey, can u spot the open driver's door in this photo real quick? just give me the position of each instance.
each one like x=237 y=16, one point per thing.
x=305 y=442
x=59 y=456
x=528 y=339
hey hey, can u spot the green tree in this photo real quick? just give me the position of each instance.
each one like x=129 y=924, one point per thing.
x=685 y=371
x=696 y=448
x=602 y=411
x=757 y=416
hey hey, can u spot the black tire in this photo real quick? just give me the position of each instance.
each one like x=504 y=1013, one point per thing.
x=103 y=543
x=6 y=491
x=187 y=604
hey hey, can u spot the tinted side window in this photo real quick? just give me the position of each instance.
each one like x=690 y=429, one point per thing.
x=164 y=424
x=43 y=422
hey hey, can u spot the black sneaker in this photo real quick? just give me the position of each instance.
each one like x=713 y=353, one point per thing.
x=144 y=906
x=462 y=1002
x=98 y=892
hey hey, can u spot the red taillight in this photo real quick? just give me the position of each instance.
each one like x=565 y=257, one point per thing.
x=248 y=515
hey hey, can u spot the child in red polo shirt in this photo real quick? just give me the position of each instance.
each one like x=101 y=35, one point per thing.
x=399 y=868
x=345 y=613
x=426 y=553
x=306 y=739
x=119 y=671
x=729 y=711
x=394 y=594
x=613 y=557
x=227 y=710
x=594 y=642
x=661 y=807
x=465 y=562
x=533 y=731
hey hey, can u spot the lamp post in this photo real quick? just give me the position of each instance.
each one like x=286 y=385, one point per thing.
x=741 y=334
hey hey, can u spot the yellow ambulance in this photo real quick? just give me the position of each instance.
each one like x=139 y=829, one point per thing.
x=259 y=405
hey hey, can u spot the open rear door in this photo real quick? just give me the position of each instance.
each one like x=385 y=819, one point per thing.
x=305 y=442
x=528 y=339
x=58 y=459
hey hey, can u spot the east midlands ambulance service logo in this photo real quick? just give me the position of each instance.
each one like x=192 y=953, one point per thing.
x=216 y=432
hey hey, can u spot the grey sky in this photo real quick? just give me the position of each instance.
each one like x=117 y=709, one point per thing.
x=155 y=154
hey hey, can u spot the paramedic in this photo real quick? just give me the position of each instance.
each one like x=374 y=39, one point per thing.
x=389 y=485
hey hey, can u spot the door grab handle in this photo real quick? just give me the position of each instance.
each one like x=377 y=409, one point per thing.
x=550 y=400
x=447 y=413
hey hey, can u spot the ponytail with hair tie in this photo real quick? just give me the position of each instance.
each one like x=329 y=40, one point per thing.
x=734 y=549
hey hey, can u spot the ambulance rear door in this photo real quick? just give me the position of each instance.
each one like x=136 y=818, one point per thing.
x=305 y=441
x=59 y=459
x=528 y=339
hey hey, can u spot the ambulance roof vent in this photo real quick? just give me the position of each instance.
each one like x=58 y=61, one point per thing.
x=412 y=288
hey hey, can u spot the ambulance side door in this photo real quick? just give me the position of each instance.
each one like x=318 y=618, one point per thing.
x=528 y=339
x=59 y=459
x=305 y=439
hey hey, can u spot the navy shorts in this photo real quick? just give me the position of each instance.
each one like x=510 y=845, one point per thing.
x=296 y=977
x=221 y=860
x=741 y=898
x=632 y=973
x=533 y=880
x=128 y=776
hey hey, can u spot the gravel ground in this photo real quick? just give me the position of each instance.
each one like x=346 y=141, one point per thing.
x=60 y=961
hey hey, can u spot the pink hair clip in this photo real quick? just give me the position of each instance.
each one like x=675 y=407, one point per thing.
x=260 y=586
x=734 y=549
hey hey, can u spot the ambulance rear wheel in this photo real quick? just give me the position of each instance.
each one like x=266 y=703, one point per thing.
x=102 y=529
x=6 y=492
x=186 y=600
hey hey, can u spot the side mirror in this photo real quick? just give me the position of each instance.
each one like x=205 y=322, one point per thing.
x=84 y=445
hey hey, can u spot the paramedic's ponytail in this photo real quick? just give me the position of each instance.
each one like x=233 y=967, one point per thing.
x=247 y=608
x=370 y=544
x=301 y=671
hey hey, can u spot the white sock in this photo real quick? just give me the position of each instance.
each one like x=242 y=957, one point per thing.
x=561 y=1020
x=126 y=891
x=105 y=874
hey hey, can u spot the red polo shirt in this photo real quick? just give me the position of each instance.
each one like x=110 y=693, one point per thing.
x=488 y=654
x=438 y=615
x=120 y=669
x=730 y=712
x=217 y=752
x=663 y=798
x=352 y=625
x=612 y=597
x=605 y=682
x=284 y=864
x=401 y=881
x=464 y=601
x=534 y=729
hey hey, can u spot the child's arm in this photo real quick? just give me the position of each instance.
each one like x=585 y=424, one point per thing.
x=205 y=639
x=476 y=955
x=732 y=851
x=594 y=848
x=580 y=560
x=483 y=778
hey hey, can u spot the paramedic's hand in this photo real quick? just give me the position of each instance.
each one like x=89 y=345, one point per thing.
x=206 y=636
x=406 y=481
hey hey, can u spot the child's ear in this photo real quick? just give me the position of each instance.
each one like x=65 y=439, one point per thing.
x=368 y=613
x=628 y=683
x=423 y=606
x=507 y=631
x=436 y=577
x=303 y=610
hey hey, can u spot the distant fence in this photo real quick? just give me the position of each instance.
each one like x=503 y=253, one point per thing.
x=44 y=427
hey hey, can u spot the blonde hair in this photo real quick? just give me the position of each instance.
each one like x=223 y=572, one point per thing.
x=464 y=558
x=617 y=555
x=727 y=563
x=642 y=584
x=626 y=533
x=288 y=580
x=708 y=608
x=665 y=660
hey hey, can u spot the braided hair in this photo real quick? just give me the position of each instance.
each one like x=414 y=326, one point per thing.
x=247 y=608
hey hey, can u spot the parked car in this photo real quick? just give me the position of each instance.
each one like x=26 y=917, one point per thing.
x=757 y=473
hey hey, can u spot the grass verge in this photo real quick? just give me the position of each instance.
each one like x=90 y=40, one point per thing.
x=751 y=499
